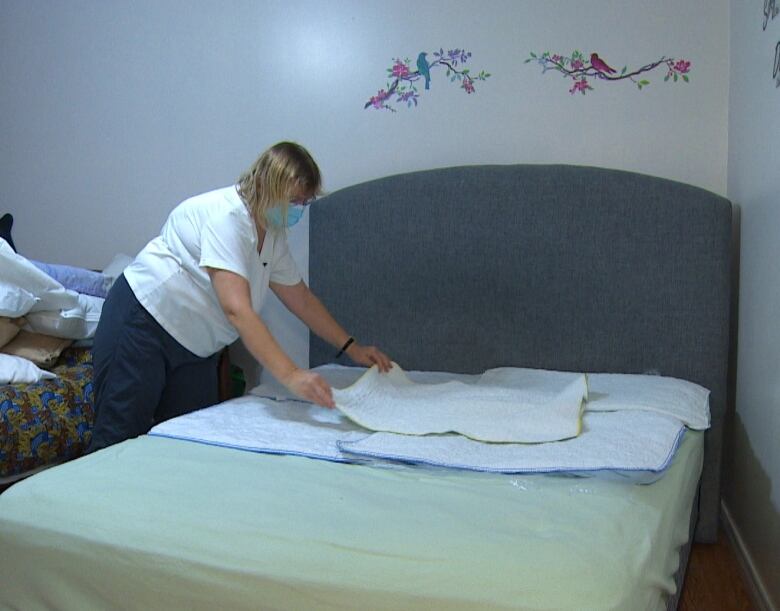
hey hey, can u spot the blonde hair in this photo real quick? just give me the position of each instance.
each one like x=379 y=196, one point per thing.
x=282 y=172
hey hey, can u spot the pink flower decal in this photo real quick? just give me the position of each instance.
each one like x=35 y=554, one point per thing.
x=403 y=80
x=400 y=69
x=682 y=66
x=581 y=86
x=378 y=101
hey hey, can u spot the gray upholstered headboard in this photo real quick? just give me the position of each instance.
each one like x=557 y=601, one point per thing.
x=546 y=266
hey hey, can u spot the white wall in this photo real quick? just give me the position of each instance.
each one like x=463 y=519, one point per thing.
x=111 y=112
x=752 y=490
x=114 y=111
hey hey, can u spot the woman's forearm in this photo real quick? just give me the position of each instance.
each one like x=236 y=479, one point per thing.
x=261 y=344
x=306 y=306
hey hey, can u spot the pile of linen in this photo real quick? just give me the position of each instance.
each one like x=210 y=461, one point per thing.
x=44 y=308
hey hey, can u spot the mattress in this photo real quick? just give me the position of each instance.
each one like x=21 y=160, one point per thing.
x=164 y=523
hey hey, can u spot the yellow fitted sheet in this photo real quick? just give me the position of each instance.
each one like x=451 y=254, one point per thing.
x=156 y=523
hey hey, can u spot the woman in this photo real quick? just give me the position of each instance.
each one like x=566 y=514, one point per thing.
x=197 y=287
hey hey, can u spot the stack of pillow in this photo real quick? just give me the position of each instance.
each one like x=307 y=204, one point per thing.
x=44 y=308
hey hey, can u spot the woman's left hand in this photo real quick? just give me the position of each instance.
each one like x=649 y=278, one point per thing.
x=368 y=356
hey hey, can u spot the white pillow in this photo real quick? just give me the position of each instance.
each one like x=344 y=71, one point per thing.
x=77 y=323
x=17 y=271
x=681 y=399
x=67 y=324
x=14 y=301
x=611 y=392
x=93 y=307
x=16 y=370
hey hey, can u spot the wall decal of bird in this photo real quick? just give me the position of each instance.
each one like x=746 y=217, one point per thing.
x=600 y=65
x=424 y=68
x=582 y=74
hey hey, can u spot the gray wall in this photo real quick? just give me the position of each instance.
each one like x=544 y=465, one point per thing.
x=752 y=482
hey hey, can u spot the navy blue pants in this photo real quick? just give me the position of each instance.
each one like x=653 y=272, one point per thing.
x=142 y=375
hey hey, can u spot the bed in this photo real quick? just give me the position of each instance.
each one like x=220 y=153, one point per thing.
x=46 y=422
x=47 y=419
x=46 y=395
x=459 y=270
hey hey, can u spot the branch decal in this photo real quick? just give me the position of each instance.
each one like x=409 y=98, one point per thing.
x=776 y=69
x=770 y=11
x=403 y=80
x=580 y=69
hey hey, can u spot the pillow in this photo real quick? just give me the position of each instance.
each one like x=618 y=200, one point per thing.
x=610 y=392
x=77 y=278
x=15 y=301
x=16 y=370
x=77 y=323
x=6 y=222
x=64 y=324
x=93 y=307
x=40 y=349
x=681 y=399
x=9 y=328
x=17 y=271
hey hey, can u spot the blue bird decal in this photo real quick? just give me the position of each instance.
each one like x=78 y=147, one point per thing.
x=424 y=68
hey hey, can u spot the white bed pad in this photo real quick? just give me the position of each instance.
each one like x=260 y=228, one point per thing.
x=503 y=413
x=627 y=441
x=620 y=441
x=607 y=392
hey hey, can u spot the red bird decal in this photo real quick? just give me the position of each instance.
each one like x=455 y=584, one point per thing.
x=600 y=65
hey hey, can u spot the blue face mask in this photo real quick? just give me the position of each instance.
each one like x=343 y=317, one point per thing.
x=276 y=217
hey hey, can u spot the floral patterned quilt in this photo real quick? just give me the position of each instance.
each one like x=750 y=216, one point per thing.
x=49 y=421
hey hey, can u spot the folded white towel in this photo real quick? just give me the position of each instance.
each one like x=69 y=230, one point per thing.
x=392 y=402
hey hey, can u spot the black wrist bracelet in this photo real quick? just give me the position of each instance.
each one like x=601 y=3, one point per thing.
x=346 y=345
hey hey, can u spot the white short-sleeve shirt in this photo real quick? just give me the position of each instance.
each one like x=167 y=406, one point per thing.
x=168 y=277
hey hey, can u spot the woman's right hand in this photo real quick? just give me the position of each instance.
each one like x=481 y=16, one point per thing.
x=310 y=386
